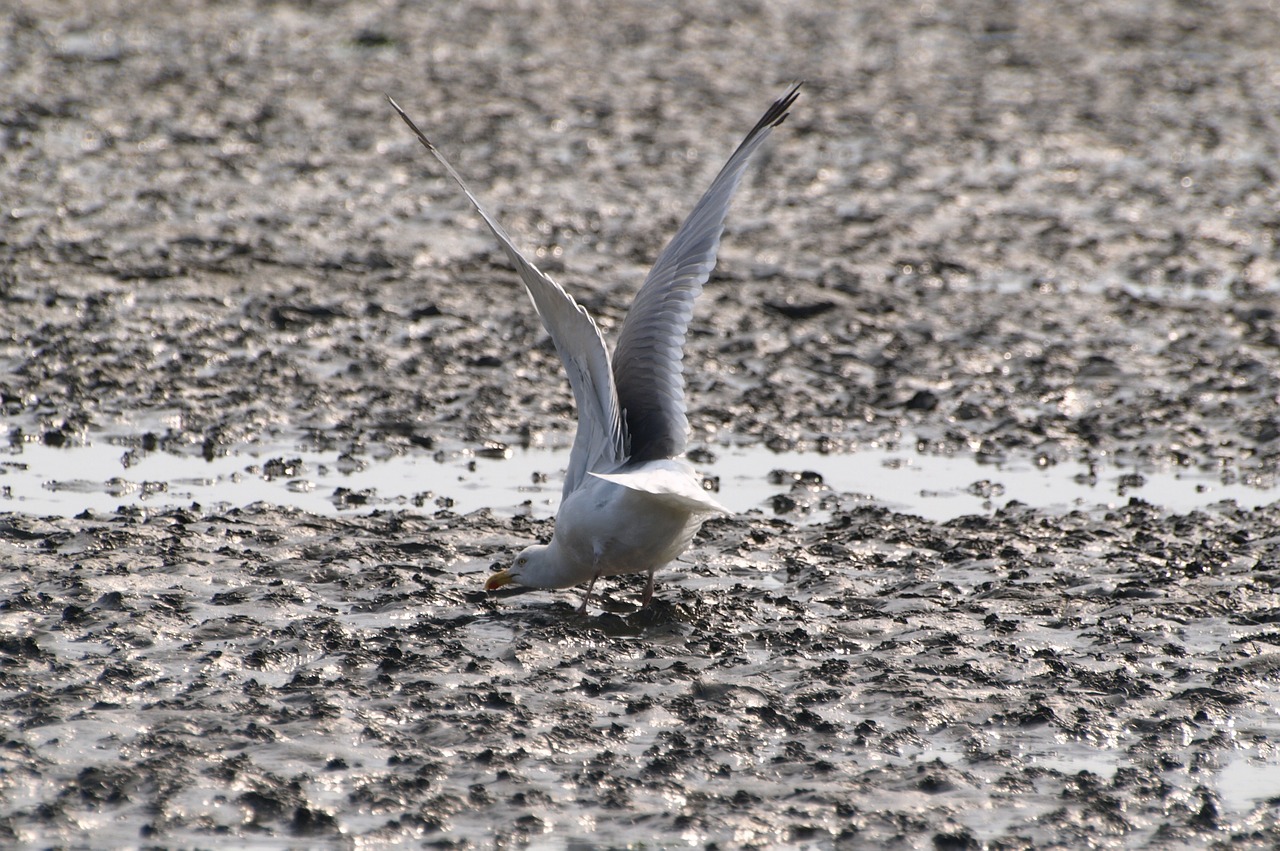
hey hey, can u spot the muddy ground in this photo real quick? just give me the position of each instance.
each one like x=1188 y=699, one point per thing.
x=1010 y=230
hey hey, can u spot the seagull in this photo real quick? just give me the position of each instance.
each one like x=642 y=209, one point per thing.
x=631 y=503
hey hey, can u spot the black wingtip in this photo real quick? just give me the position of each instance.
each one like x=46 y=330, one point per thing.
x=422 y=137
x=778 y=112
x=395 y=106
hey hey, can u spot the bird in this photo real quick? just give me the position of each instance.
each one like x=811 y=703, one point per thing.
x=631 y=502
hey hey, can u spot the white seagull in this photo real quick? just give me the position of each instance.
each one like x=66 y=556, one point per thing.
x=631 y=503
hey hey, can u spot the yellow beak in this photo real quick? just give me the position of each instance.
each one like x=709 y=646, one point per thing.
x=497 y=580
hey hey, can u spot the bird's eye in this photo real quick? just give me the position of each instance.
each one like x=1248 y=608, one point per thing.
x=521 y=560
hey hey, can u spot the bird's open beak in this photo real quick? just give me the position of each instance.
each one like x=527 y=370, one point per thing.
x=497 y=580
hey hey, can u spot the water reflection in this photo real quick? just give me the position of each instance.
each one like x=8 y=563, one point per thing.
x=39 y=479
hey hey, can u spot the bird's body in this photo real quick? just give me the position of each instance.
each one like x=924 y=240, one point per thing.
x=631 y=503
x=655 y=528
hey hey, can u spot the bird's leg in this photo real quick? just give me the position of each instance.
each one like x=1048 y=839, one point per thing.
x=586 y=598
x=648 y=590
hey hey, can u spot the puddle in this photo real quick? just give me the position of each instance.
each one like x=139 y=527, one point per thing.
x=1069 y=759
x=1247 y=779
x=43 y=480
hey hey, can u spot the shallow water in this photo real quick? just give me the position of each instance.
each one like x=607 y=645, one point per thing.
x=104 y=475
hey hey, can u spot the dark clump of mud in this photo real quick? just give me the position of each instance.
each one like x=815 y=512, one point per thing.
x=1019 y=230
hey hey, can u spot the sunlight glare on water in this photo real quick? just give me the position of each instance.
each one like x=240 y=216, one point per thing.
x=42 y=480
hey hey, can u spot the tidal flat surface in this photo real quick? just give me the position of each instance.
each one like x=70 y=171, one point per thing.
x=1007 y=281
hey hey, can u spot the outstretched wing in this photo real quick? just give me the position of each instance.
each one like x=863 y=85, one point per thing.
x=647 y=360
x=601 y=440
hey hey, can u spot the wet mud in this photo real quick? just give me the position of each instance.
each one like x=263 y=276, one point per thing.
x=1008 y=231
x=1100 y=678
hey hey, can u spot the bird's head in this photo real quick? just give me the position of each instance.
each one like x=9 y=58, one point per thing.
x=524 y=569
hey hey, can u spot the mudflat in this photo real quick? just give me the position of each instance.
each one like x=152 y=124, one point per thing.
x=1021 y=233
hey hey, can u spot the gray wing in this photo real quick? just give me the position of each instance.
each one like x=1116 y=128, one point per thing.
x=647 y=360
x=601 y=440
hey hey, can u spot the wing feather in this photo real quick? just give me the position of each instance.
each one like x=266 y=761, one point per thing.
x=601 y=439
x=647 y=363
